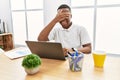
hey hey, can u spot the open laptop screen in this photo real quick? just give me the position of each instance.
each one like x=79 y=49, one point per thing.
x=51 y=50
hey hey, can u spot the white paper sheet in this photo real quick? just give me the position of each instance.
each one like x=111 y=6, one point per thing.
x=18 y=52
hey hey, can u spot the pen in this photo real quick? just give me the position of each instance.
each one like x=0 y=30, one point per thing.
x=73 y=49
x=69 y=53
x=76 y=52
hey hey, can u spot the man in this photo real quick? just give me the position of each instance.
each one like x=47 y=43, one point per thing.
x=68 y=34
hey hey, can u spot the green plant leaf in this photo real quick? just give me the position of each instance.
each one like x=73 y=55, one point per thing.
x=31 y=61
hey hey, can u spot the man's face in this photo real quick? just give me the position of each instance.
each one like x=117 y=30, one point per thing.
x=67 y=20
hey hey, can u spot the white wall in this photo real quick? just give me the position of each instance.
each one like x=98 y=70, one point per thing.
x=50 y=9
x=5 y=13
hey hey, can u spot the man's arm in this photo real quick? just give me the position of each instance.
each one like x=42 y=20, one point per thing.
x=43 y=36
x=86 y=48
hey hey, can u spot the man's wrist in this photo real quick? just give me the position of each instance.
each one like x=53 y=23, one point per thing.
x=55 y=20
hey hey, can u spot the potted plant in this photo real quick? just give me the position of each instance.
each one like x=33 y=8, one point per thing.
x=31 y=63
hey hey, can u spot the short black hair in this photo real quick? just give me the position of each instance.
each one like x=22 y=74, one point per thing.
x=64 y=6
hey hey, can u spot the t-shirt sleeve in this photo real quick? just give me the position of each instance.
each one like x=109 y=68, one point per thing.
x=84 y=36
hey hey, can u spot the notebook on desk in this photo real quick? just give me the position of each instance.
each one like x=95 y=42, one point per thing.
x=51 y=50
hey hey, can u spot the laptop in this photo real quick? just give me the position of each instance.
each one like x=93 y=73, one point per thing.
x=50 y=50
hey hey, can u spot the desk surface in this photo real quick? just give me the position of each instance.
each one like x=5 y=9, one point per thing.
x=59 y=70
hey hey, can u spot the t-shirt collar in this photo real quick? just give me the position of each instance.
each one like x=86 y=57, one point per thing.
x=70 y=28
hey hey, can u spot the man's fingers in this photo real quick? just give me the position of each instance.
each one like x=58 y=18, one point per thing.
x=62 y=15
x=65 y=51
x=59 y=11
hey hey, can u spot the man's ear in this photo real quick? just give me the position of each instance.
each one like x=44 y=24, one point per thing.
x=71 y=15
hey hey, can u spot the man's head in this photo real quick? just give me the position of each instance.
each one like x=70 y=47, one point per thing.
x=64 y=6
x=65 y=9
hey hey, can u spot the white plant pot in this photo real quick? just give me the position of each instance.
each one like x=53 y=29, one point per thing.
x=32 y=70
